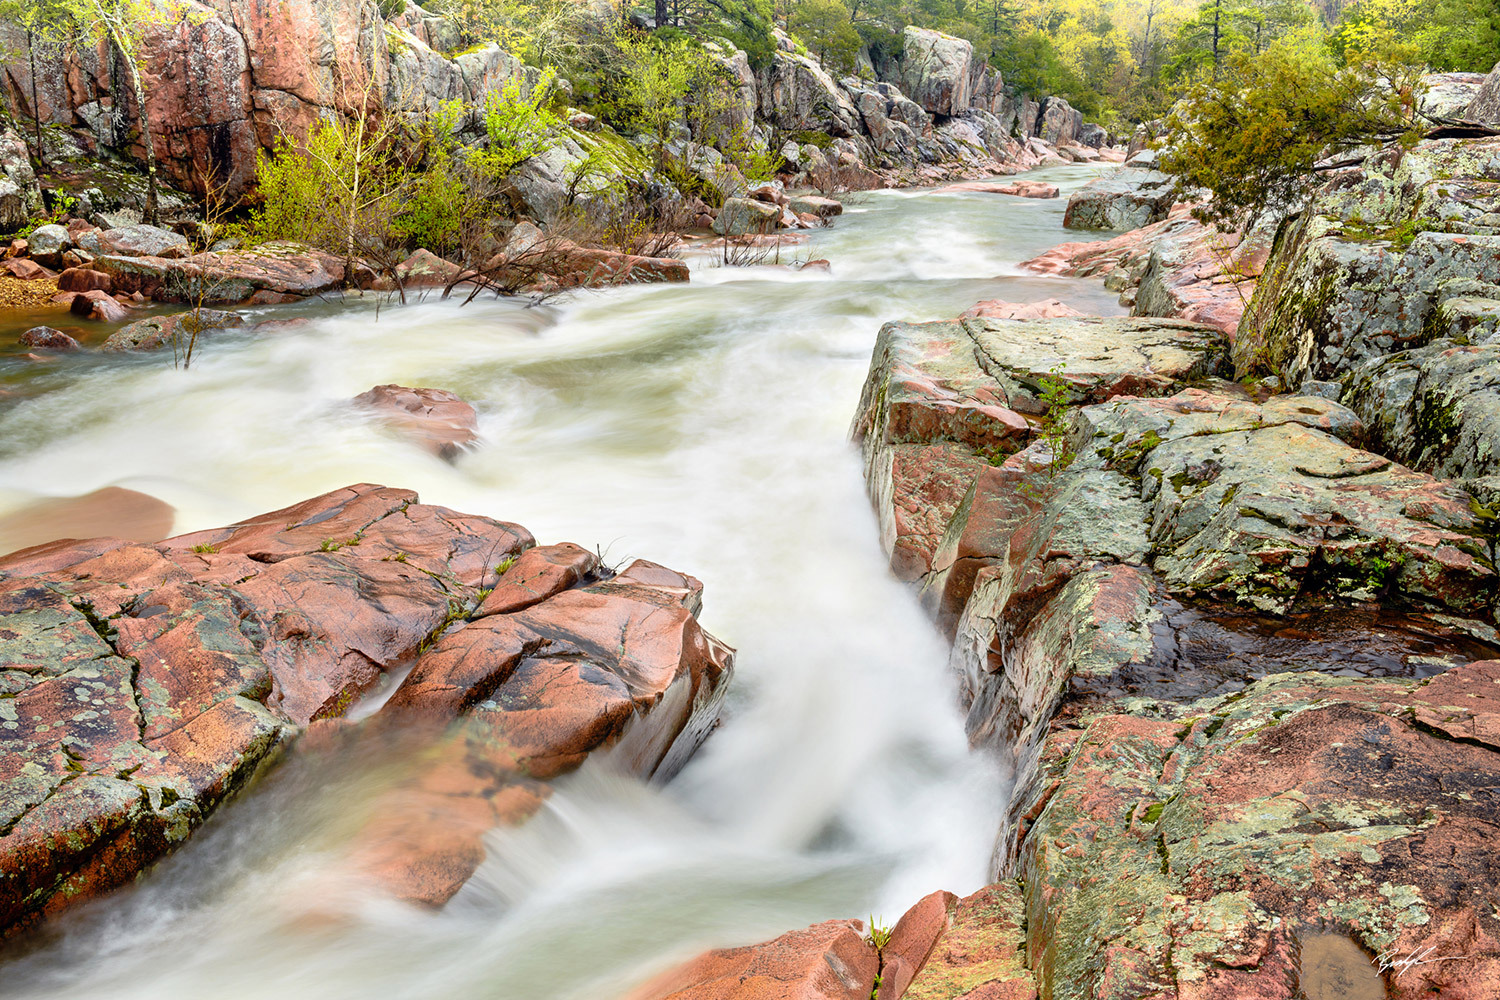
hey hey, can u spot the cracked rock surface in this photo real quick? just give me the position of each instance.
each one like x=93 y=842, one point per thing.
x=141 y=685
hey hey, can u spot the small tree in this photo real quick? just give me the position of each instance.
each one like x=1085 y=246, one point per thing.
x=340 y=191
x=1253 y=137
x=828 y=29
x=125 y=25
x=518 y=127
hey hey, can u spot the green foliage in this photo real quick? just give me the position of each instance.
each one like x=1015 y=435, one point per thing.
x=877 y=934
x=518 y=127
x=392 y=8
x=1253 y=135
x=1056 y=398
x=436 y=199
x=828 y=29
x=1456 y=35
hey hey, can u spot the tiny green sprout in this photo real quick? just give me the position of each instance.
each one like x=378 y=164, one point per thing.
x=205 y=548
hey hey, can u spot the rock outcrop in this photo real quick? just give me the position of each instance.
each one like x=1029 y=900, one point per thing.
x=1197 y=620
x=1390 y=256
x=1127 y=199
x=1177 y=268
x=945 y=400
x=146 y=683
x=1485 y=107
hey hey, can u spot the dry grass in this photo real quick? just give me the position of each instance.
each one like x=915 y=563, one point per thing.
x=18 y=294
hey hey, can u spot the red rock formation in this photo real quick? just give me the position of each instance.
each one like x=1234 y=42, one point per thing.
x=145 y=683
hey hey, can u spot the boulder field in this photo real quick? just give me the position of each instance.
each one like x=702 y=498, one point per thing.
x=144 y=685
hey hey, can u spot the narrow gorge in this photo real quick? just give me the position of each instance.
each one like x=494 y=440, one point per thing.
x=882 y=540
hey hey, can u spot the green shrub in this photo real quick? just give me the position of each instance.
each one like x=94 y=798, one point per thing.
x=517 y=127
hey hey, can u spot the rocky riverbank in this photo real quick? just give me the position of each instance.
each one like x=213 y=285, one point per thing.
x=1238 y=646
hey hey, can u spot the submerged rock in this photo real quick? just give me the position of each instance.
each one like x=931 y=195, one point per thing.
x=437 y=419
x=200 y=656
x=176 y=330
x=49 y=339
x=1019 y=189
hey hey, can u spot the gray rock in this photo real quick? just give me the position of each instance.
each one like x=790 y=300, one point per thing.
x=936 y=70
x=1058 y=121
x=744 y=216
x=1486 y=104
x=1127 y=199
x=1449 y=95
x=159 y=331
x=133 y=241
x=20 y=195
x=1323 y=390
x=796 y=95
x=1351 y=281
x=1093 y=136
x=46 y=244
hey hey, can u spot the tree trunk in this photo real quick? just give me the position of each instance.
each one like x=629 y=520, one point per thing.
x=152 y=214
x=661 y=13
x=36 y=109
x=1218 y=7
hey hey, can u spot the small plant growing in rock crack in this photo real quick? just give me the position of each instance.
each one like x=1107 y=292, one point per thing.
x=505 y=564
x=1056 y=397
x=877 y=936
x=205 y=548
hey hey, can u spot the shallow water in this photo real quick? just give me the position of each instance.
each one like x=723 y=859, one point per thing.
x=702 y=426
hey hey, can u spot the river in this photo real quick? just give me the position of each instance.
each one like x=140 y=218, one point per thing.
x=704 y=426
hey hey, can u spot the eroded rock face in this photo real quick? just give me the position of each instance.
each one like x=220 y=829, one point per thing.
x=1176 y=268
x=936 y=70
x=1435 y=407
x=1486 y=104
x=796 y=94
x=1369 y=269
x=944 y=401
x=144 y=683
x=1201 y=854
x=1198 y=622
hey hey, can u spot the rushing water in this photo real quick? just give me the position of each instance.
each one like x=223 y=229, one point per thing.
x=703 y=426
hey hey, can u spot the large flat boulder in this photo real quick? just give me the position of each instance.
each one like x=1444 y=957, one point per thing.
x=226 y=278
x=145 y=683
